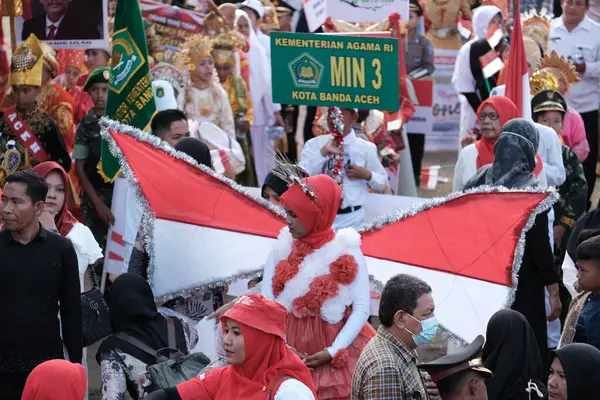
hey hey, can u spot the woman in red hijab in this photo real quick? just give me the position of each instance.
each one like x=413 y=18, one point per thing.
x=492 y=115
x=56 y=380
x=57 y=217
x=261 y=365
x=321 y=278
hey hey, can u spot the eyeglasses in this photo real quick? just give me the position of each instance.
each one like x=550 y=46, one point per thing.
x=491 y=116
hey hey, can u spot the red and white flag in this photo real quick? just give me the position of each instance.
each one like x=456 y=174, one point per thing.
x=490 y=63
x=430 y=177
x=517 y=72
x=205 y=230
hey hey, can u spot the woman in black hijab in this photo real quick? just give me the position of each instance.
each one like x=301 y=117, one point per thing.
x=133 y=313
x=513 y=167
x=196 y=149
x=511 y=353
x=574 y=373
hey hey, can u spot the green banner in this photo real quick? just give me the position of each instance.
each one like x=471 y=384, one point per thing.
x=331 y=70
x=130 y=99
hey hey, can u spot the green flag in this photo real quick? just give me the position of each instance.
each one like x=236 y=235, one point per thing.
x=130 y=98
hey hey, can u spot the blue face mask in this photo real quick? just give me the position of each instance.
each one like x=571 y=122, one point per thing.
x=429 y=329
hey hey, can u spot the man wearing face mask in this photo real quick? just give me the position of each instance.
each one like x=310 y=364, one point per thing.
x=387 y=368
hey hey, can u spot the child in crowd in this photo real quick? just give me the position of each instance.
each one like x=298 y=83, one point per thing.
x=583 y=322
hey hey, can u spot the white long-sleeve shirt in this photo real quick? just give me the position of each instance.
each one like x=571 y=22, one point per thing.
x=356 y=151
x=550 y=150
x=361 y=305
x=584 y=39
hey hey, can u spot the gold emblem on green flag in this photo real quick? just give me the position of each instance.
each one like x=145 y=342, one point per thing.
x=130 y=99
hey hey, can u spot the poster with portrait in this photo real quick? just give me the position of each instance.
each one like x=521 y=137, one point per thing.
x=79 y=24
x=173 y=25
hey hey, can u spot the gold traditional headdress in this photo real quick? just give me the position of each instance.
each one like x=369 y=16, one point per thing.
x=542 y=80
x=224 y=48
x=27 y=63
x=537 y=26
x=270 y=20
x=194 y=50
x=554 y=62
x=214 y=24
x=49 y=55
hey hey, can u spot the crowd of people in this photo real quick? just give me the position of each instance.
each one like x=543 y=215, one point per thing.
x=303 y=330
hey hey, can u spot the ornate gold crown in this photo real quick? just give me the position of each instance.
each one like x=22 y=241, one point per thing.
x=194 y=50
x=224 y=48
x=560 y=63
x=27 y=63
x=537 y=26
x=543 y=80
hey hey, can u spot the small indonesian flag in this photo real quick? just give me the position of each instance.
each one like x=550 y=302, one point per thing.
x=430 y=177
x=494 y=36
x=490 y=64
x=465 y=29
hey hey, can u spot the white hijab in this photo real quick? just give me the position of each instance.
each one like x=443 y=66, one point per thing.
x=482 y=16
x=260 y=77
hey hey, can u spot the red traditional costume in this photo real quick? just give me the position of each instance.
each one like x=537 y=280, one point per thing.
x=322 y=280
x=82 y=102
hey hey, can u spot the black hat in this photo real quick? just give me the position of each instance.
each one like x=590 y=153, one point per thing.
x=416 y=7
x=284 y=8
x=467 y=359
x=548 y=100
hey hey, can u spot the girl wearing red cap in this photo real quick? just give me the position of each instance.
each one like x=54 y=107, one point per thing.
x=261 y=365
x=320 y=276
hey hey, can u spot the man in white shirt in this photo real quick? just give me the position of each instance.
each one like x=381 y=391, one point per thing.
x=576 y=37
x=362 y=169
x=256 y=11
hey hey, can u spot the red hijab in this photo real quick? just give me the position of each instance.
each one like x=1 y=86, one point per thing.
x=56 y=380
x=506 y=110
x=317 y=215
x=64 y=220
x=268 y=358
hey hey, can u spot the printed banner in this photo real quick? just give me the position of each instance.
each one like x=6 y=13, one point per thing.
x=367 y=10
x=328 y=70
x=422 y=121
x=65 y=24
x=316 y=13
x=173 y=25
x=445 y=110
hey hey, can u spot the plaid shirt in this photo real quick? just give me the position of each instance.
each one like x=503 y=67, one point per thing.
x=387 y=370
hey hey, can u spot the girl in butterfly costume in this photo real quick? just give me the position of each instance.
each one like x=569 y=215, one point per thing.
x=320 y=276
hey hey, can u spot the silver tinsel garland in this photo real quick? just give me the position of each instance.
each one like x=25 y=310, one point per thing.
x=149 y=217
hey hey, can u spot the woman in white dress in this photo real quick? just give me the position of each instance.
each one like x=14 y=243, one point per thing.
x=57 y=217
x=265 y=113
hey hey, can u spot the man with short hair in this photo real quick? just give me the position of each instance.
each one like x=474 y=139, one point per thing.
x=387 y=367
x=461 y=375
x=170 y=125
x=39 y=278
x=577 y=38
x=57 y=23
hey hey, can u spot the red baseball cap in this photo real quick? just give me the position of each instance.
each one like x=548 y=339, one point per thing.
x=256 y=311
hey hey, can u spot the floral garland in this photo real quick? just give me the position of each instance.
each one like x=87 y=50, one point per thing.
x=336 y=127
x=343 y=271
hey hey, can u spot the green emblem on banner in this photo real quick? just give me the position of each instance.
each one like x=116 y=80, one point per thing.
x=127 y=59
x=306 y=71
x=333 y=70
x=130 y=98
